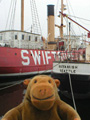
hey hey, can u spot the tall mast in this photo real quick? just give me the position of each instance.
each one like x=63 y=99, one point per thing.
x=61 y=27
x=69 y=37
x=22 y=15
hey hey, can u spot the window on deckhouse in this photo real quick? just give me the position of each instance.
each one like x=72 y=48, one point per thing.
x=22 y=37
x=0 y=37
x=15 y=37
x=29 y=38
x=35 y=39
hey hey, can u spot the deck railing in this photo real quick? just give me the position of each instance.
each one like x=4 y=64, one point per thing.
x=68 y=56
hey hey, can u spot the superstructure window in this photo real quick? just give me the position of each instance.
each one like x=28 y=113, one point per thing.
x=29 y=38
x=15 y=37
x=22 y=37
x=35 y=39
x=0 y=37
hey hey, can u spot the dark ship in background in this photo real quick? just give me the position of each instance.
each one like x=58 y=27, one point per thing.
x=72 y=68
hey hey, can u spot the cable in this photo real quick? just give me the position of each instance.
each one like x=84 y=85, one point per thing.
x=22 y=80
x=57 y=7
x=72 y=92
x=73 y=13
x=13 y=19
x=8 y=15
x=79 y=18
x=11 y=85
x=35 y=18
x=12 y=14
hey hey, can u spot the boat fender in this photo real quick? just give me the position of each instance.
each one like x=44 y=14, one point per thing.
x=26 y=82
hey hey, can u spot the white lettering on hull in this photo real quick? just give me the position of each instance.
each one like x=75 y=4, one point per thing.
x=54 y=53
x=25 y=58
x=37 y=56
x=43 y=58
x=47 y=57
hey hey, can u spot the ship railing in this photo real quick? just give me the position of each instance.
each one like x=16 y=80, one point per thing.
x=68 y=56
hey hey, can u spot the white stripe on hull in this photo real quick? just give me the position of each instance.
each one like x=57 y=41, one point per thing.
x=26 y=73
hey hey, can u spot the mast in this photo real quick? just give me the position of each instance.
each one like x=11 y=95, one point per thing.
x=22 y=15
x=61 y=27
x=69 y=37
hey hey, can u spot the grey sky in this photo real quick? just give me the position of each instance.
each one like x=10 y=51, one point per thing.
x=79 y=8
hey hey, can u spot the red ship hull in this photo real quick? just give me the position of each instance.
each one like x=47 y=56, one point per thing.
x=23 y=62
x=16 y=62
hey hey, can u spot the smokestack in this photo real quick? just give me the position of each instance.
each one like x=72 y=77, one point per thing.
x=51 y=24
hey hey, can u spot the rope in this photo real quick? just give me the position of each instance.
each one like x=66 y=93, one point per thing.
x=70 y=87
x=11 y=15
x=13 y=18
x=22 y=80
x=11 y=85
x=80 y=18
x=8 y=15
x=35 y=18
x=69 y=5
x=72 y=92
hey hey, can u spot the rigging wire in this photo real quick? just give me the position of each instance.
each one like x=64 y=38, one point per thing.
x=57 y=7
x=13 y=19
x=11 y=15
x=35 y=18
x=72 y=92
x=56 y=11
x=69 y=4
x=16 y=83
x=28 y=28
x=72 y=32
x=79 y=18
x=71 y=26
x=8 y=15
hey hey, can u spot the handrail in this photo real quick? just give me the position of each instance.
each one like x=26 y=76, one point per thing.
x=68 y=56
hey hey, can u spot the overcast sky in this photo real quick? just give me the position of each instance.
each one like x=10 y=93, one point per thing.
x=79 y=8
